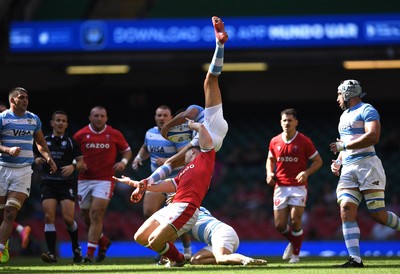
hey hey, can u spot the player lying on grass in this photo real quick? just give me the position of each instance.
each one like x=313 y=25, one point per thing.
x=222 y=241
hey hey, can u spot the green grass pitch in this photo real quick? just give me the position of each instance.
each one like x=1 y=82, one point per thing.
x=307 y=265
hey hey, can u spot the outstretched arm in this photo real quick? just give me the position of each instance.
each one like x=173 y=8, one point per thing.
x=165 y=186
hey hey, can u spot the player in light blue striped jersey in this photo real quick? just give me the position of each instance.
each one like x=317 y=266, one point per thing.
x=362 y=173
x=19 y=128
x=214 y=119
x=222 y=241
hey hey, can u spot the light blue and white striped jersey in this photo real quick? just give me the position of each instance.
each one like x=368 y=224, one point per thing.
x=158 y=146
x=205 y=226
x=200 y=116
x=18 y=131
x=351 y=126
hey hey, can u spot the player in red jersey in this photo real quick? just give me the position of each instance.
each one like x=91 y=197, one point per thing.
x=191 y=185
x=288 y=170
x=100 y=145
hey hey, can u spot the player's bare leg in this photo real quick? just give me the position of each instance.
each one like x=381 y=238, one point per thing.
x=212 y=91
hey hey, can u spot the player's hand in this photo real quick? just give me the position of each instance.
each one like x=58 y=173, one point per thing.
x=136 y=163
x=337 y=146
x=67 y=170
x=126 y=180
x=40 y=161
x=84 y=167
x=160 y=161
x=170 y=199
x=119 y=166
x=138 y=193
x=335 y=167
x=271 y=179
x=14 y=151
x=193 y=125
x=52 y=164
x=302 y=177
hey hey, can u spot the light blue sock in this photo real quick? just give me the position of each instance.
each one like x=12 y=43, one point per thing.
x=393 y=221
x=218 y=60
x=351 y=234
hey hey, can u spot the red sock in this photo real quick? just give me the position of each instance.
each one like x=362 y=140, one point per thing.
x=172 y=253
x=297 y=241
x=103 y=242
x=91 y=249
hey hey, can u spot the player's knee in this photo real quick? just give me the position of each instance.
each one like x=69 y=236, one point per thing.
x=281 y=227
x=13 y=202
x=139 y=239
x=69 y=221
x=376 y=204
x=346 y=196
x=296 y=224
x=11 y=209
x=96 y=216
x=194 y=260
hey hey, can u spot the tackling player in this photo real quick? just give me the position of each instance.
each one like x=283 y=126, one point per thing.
x=191 y=185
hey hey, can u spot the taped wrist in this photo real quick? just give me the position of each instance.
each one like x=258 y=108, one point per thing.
x=340 y=146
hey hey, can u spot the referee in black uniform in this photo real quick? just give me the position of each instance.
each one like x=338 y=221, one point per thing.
x=61 y=186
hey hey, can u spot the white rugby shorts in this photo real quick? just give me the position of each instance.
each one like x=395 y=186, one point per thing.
x=225 y=236
x=16 y=179
x=93 y=188
x=368 y=173
x=216 y=125
x=182 y=216
x=289 y=195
